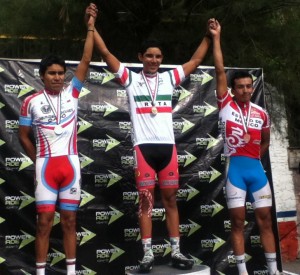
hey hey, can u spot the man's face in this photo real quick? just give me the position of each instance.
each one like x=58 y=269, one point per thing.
x=151 y=60
x=243 y=89
x=54 y=78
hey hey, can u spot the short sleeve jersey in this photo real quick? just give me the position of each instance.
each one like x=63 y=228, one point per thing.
x=36 y=111
x=232 y=126
x=147 y=127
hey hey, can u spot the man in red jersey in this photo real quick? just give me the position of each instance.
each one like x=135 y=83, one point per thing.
x=246 y=131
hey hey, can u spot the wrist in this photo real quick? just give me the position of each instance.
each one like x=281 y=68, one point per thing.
x=208 y=35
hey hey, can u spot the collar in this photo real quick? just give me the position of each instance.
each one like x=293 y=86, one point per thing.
x=51 y=92
x=150 y=75
x=241 y=104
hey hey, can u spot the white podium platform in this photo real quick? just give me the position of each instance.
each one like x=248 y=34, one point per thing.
x=169 y=270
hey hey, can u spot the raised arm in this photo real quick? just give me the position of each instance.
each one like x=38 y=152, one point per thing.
x=215 y=31
x=112 y=62
x=90 y=17
x=197 y=57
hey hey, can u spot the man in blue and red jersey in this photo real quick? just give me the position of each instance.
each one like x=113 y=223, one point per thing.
x=245 y=128
x=150 y=99
x=51 y=115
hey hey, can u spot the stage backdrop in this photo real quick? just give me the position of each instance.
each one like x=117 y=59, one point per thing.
x=107 y=230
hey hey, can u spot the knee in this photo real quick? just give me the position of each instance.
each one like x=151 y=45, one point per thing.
x=68 y=223
x=237 y=224
x=170 y=201
x=44 y=225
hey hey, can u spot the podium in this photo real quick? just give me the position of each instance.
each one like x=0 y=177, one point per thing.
x=169 y=270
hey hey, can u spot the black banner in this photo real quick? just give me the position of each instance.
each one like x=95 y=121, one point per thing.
x=107 y=226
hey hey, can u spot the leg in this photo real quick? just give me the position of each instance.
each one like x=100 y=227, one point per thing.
x=237 y=217
x=146 y=200
x=168 y=196
x=69 y=198
x=264 y=222
x=68 y=223
x=43 y=229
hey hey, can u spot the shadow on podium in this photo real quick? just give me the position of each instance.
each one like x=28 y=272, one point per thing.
x=169 y=270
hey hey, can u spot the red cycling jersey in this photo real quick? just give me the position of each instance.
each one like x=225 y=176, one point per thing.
x=241 y=126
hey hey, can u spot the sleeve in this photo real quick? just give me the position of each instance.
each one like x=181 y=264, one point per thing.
x=222 y=101
x=77 y=86
x=267 y=121
x=177 y=75
x=123 y=75
x=25 y=118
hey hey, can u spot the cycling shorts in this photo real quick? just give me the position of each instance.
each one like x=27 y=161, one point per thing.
x=156 y=163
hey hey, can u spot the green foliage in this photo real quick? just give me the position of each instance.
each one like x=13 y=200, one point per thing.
x=259 y=33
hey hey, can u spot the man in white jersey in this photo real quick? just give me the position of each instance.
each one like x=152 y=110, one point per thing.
x=51 y=115
x=246 y=131
x=150 y=99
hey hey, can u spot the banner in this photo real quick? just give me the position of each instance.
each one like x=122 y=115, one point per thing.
x=108 y=234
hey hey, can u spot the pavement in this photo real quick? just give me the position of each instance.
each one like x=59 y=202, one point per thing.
x=291 y=268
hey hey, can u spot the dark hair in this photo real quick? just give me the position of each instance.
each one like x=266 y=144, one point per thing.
x=150 y=43
x=50 y=60
x=238 y=75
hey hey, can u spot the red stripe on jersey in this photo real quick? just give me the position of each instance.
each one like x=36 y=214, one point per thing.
x=177 y=78
x=43 y=145
x=124 y=76
x=24 y=107
x=148 y=110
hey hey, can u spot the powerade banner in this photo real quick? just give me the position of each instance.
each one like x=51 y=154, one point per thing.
x=108 y=235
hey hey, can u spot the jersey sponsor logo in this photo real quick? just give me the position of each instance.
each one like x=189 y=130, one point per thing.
x=46 y=109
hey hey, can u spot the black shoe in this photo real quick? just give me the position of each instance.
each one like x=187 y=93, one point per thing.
x=181 y=262
x=147 y=263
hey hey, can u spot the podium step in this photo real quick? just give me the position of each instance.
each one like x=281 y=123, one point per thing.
x=169 y=270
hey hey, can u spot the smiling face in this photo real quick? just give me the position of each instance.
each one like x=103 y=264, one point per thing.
x=243 y=89
x=54 y=78
x=151 y=59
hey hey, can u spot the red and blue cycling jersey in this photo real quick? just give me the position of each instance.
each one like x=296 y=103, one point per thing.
x=232 y=126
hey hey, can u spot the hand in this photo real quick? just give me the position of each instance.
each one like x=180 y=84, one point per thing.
x=213 y=27
x=91 y=13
